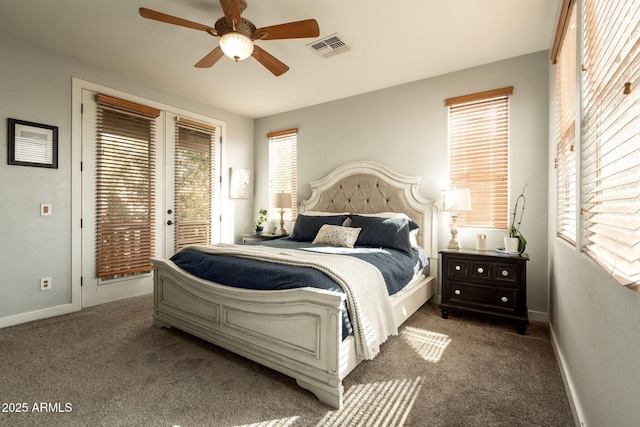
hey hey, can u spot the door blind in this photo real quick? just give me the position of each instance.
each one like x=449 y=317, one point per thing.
x=566 y=130
x=478 y=155
x=611 y=129
x=194 y=189
x=283 y=170
x=125 y=187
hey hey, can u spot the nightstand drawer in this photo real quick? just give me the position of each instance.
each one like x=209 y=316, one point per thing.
x=487 y=297
x=481 y=270
x=506 y=273
x=457 y=268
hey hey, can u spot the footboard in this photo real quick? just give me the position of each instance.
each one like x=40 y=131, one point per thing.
x=296 y=332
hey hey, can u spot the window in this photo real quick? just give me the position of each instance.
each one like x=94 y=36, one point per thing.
x=125 y=185
x=478 y=155
x=283 y=170
x=194 y=188
x=611 y=136
x=565 y=58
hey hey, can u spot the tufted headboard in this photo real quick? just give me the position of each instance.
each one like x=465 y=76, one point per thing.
x=368 y=187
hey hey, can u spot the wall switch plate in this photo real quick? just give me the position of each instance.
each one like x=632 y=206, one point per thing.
x=45 y=209
x=45 y=283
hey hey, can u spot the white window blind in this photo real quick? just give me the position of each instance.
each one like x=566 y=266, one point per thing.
x=611 y=142
x=566 y=129
x=283 y=170
x=195 y=153
x=478 y=155
x=125 y=187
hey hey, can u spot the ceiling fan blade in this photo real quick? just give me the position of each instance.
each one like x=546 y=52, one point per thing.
x=231 y=9
x=291 y=30
x=170 y=19
x=269 y=61
x=210 y=59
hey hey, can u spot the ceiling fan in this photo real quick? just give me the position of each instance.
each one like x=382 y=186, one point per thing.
x=237 y=35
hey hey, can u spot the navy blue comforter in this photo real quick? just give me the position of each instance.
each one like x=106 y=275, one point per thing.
x=397 y=268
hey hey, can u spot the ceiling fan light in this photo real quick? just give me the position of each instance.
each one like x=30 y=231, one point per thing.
x=236 y=46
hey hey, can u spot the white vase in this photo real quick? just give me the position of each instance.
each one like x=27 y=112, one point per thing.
x=511 y=244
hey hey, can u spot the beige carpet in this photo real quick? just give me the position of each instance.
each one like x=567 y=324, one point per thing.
x=107 y=366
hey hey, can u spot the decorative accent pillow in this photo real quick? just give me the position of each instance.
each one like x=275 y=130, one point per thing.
x=384 y=232
x=335 y=235
x=306 y=227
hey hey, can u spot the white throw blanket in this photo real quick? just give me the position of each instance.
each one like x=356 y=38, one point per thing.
x=368 y=300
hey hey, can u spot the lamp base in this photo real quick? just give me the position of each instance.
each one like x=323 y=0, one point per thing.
x=281 y=231
x=454 y=245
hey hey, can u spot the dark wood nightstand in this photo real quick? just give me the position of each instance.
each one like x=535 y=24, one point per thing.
x=485 y=282
x=260 y=237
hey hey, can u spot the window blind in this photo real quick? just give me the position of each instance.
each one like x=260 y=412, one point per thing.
x=283 y=170
x=566 y=130
x=195 y=153
x=611 y=136
x=125 y=187
x=478 y=155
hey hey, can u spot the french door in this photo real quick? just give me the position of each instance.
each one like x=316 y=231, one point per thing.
x=192 y=169
x=134 y=229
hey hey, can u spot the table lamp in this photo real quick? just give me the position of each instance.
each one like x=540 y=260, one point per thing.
x=454 y=201
x=282 y=201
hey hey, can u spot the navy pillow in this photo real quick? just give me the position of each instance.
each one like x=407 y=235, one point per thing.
x=384 y=232
x=307 y=227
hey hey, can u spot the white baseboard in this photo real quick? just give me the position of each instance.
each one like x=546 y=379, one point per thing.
x=576 y=408
x=35 y=315
x=539 y=316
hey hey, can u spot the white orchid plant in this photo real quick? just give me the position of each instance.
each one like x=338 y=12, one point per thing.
x=514 y=228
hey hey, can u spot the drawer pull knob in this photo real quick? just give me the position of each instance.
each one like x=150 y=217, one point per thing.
x=504 y=299
x=480 y=270
x=458 y=268
x=505 y=273
x=457 y=292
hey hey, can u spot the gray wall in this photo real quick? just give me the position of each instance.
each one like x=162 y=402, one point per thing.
x=595 y=322
x=405 y=128
x=36 y=86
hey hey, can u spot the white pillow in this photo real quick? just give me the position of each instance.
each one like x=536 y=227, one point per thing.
x=335 y=235
x=386 y=215
x=320 y=213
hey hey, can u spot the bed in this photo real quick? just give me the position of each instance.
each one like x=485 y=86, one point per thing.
x=299 y=332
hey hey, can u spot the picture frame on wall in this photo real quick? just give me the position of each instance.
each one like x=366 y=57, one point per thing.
x=32 y=144
x=240 y=183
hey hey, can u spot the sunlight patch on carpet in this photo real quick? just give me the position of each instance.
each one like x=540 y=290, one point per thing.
x=428 y=345
x=282 y=422
x=386 y=403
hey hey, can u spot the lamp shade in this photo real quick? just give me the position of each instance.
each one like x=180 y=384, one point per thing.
x=282 y=200
x=456 y=200
x=236 y=46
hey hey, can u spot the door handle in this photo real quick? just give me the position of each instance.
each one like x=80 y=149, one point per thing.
x=169 y=222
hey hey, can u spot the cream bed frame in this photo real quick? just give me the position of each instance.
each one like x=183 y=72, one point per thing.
x=298 y=332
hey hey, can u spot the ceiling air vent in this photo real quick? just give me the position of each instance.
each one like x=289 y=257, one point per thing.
x=329 y=46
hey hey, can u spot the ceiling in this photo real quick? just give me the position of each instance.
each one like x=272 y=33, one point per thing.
x=391 y=43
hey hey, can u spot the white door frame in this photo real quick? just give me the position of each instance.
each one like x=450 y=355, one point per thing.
x=78 y=86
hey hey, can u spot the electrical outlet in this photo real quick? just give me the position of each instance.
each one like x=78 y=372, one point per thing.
x=45 y=283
